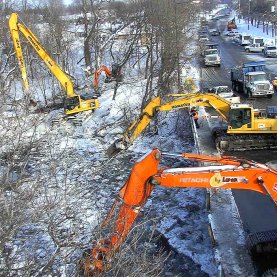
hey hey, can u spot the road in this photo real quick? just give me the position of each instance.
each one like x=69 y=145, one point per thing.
x=258 y=212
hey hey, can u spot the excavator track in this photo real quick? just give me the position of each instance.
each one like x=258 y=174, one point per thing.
x=226 y=142
x=262 y=246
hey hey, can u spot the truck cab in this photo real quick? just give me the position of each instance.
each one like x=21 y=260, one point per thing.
x=257 y=84
x=208 y=45
x=211 y=54
x=251 y=79
x=258 y=40
x=244 y=39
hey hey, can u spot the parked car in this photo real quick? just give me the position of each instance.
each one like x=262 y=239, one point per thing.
x=203 y=38
x=214 y=32
x=215 y=18
x=210 y=52
x=222 y=91
x=236 y=38
x=231 y=33
x=203 y=31
x=255 y=48
x=212 y=60
x=270 y=51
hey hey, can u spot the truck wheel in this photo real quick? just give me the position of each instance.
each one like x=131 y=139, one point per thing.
x=269 y=96
x=270 y=273
x=247 y=50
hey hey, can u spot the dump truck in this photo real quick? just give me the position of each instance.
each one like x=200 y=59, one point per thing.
x=231 y=24
x=251 y=80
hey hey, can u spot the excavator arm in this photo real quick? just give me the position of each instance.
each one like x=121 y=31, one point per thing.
x=228 y=173
x=74 y=102
x=98 y=72
x=221 y=105
x=114 y=74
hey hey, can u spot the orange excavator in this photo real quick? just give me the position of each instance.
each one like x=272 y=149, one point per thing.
x=111 y=75
x=224 y=172
x=231 y=25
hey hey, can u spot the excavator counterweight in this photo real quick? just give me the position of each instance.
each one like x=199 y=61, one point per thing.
x=224 y=172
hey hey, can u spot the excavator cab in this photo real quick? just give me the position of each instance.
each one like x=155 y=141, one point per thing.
x=76 y=104
x=70 y=103
x=116 y=70
x=116 y=73
x=240 y=117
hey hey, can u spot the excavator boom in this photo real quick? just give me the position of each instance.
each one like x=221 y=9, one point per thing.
x=228 y=172
x=246 y=128
x=74 y=103
x=221 y=105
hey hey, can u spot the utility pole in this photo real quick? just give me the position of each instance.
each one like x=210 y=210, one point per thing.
x=249 y=5
x=239 y=9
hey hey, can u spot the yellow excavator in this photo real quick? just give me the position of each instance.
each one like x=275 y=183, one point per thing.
x=247 y=128
x=74 y=103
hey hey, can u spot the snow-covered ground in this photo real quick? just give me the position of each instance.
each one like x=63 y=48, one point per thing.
x=254 y=31
x=68 y=185
x=72 y=183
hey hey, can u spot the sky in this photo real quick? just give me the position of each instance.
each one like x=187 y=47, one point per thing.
x=67 y=2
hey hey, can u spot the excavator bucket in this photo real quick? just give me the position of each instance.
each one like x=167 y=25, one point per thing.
x=115 y=148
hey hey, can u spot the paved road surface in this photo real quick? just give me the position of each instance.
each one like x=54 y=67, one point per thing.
x=257 y=211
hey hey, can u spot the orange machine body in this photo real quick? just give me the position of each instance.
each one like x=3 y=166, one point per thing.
x=107 y=71
x=224 y=172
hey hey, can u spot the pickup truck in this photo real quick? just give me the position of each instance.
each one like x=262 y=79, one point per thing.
x=226 y=93
x=255 y=48
x=203 y=38
x=207 y=46
x=212 y=60
x=270 y=51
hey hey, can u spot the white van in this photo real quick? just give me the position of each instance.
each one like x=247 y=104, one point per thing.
x=258 y=40
x=245 y=39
